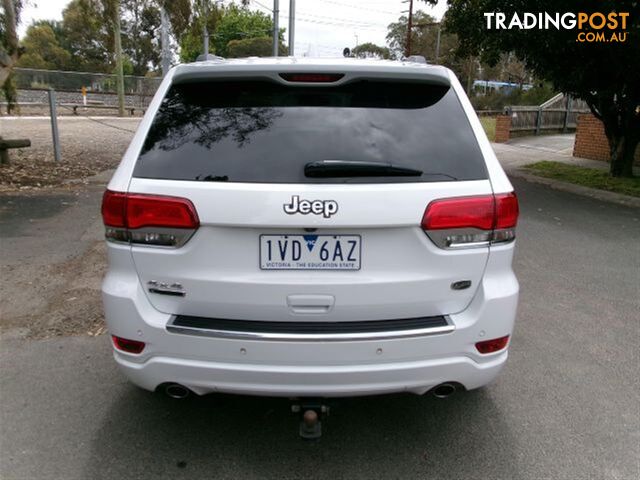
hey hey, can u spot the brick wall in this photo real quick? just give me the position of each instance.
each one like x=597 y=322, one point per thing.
x=591 y=142
x=503 y=125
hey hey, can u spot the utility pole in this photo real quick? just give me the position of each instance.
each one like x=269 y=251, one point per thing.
x=205 y=32
x=164 y=39
x=276 y=29
x=409 y=28
x=118 y=48
x=292 y=26
x=433 y=24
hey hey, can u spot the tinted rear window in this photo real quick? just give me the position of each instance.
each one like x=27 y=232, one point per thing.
x=245 y=131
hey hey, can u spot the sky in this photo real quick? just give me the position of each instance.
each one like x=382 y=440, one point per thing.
x=323 y=27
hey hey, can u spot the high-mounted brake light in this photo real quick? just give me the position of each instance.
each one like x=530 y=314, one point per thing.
x=312 y=77
x=463 y=222
x=126 y=345
x=148 y=219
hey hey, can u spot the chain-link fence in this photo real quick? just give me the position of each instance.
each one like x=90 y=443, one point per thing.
x=101 y=88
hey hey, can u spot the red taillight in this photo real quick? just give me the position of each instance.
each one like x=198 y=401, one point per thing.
x=114 y=206
x=157 y=211
x=507 y=210
x=463 y=222
x=463 y=212
x=312 y=77
x=126 y=345
x=493 y=345
x=138 y=210
x=148 y=219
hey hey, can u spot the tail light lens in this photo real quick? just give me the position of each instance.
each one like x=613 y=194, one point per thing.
x=148 y=219
x=465 y=222
x=126 y=345
x=493 y=345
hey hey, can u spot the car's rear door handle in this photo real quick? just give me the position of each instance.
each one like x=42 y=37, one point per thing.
x=310 y=303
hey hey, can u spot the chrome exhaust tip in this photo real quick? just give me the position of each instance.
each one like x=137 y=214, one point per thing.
x=444 y=390
x=176 y=391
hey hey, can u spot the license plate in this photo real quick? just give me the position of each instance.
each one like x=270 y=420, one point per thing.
x=310 y=252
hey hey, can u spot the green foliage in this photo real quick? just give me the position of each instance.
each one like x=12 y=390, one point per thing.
x=489 y=126
x=253 y=47
x=87 y=36
x=497 y=100
x=238 y=24
x=225 y=24
x=371 y=50
x=42 y=49
x=587 y=177
x=191 y=40
x=423 y=38
x=604 y=74
x=10 y=93
x=141 y=34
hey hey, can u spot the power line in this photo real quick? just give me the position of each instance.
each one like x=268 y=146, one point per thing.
x=327 y=20
x=344 y=20
x=359 y=7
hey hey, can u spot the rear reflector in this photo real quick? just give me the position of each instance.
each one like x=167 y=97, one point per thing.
x=126 y=345
x=494 y=345
x=148 y=219
x=312 y=77
x=471 y=221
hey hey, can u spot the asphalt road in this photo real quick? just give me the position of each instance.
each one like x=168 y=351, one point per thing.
x=566 y=407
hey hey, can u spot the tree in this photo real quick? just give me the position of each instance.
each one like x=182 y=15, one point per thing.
x=371 y=50
x=88 y=36
x=604 y=74
x=42 y=48
x=424 y=41
x=253 y=47
x=190 y=32
x=224 y=23
x=9 y=47
x=10 y=50
x=238 y=23
x=141 y=34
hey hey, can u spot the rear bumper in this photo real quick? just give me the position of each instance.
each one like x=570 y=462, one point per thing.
x=298 y=381
x=272 y=367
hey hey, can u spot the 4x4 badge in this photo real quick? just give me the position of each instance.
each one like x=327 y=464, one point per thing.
x=326 y=208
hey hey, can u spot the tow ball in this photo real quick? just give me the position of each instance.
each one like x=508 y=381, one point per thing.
x=311 y=413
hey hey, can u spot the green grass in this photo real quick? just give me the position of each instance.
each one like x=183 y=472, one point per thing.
x=489 y=125
x=587 y=177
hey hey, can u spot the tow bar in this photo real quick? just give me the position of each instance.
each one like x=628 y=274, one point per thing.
x=311 y=412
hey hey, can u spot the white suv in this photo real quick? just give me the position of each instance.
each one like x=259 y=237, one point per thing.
x=305 y=227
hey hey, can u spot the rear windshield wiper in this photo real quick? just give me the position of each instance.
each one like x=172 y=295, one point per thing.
x=349 y=168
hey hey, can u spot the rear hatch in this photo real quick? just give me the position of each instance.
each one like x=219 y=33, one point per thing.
x=309 y=199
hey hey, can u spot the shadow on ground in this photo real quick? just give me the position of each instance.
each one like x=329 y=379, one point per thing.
x=218 y=436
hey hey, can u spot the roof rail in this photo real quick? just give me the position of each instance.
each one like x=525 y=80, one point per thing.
x=208 y=56
x=415 y=59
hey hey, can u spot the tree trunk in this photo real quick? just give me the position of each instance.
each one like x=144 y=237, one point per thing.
x=119 y=66
x=8 y=59
x=621 y=124
x=617 y=167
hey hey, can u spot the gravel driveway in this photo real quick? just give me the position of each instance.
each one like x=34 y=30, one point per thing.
x=88 y=146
